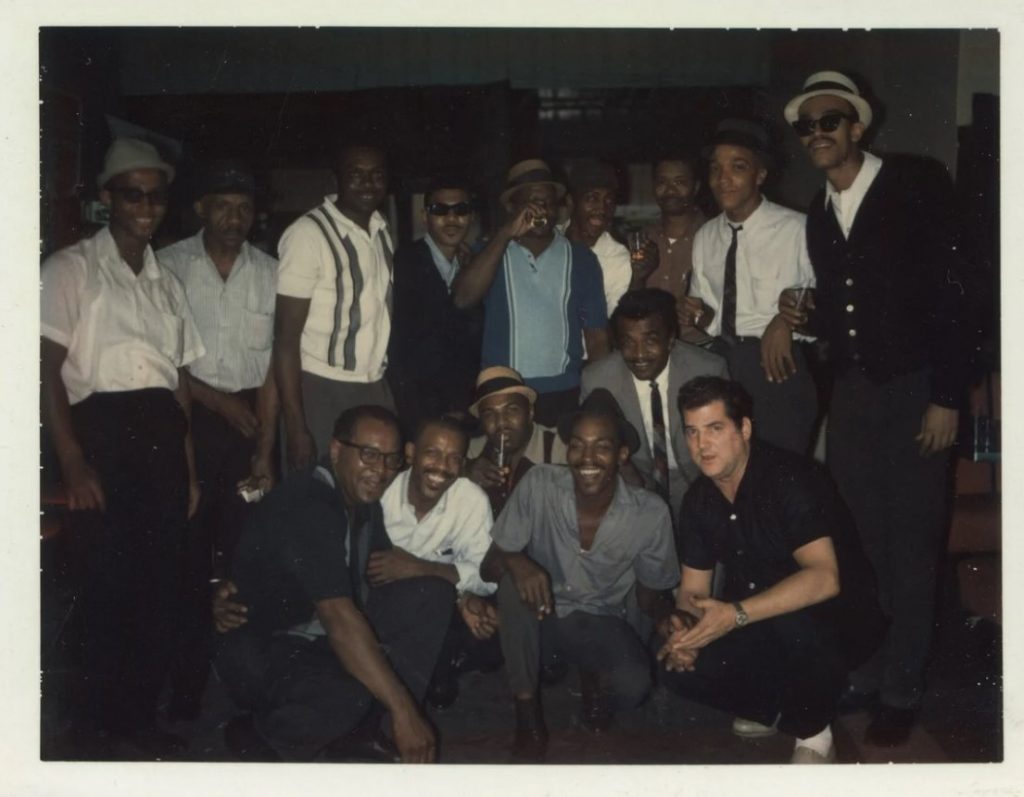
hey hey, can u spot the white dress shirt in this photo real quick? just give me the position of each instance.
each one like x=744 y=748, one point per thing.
x=771 y=255
x=457 y=531
x=616 y=266
x=845 y=204
x=643 y=393
x=235 y=317
x=445 y=267
x=123 y=331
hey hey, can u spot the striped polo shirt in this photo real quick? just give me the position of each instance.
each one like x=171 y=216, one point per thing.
x=346 y=273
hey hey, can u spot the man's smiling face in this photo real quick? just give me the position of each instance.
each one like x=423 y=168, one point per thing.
x=831 y=150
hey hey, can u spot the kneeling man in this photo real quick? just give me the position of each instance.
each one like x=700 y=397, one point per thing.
x=320 y=655
x=568 y=548
x=797 y=612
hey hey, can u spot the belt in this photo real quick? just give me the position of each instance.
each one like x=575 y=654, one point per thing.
x=733 y=340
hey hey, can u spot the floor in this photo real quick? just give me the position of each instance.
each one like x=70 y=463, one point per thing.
x=961 y=720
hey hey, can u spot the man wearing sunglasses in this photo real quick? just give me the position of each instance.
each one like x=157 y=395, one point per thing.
x=434 y=353
x=309 y=649
x=881 y=236
x=117 y=333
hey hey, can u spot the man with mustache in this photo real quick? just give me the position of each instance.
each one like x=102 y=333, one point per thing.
x=430 y=336
x=543 y=294
x=117 y=334
x=645 y=372
x=332 y=317
x=313 y=652
x=882 y=235
x=230 y=287
x=569 y=547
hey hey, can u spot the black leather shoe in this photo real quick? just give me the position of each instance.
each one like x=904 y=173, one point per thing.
x=891 y=726
x=595 y=714
x=244 y=741
x=442 y=692
x=852 y=700
x=155 y=743
x=530 y=745
x=363 y=747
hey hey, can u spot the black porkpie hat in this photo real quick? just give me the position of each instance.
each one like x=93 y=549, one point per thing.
x=741 y=133
x=601 y=402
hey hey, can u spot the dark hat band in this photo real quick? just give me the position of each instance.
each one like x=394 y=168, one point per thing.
x=532 y=176
x=484 y=389
x=828 y=85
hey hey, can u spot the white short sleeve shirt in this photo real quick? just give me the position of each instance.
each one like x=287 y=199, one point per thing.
x=235 y=317
x=122 y=331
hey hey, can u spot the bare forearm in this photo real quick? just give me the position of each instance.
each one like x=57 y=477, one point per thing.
x=56 y=407
x=206 y=395
x=472 y=282
x=268 y=404
x=183 y=395
x=495 y=564
x=802 y=589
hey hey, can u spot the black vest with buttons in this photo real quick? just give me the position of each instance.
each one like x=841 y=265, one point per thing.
x=888 y=298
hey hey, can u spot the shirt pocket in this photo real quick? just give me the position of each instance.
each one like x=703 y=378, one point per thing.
x=257 y=330
x=766 y=294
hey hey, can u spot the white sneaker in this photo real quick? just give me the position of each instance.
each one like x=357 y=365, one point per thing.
x=750 y=729
x=805 y=755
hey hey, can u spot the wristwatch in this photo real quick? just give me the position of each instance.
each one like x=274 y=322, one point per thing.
x=741 y=615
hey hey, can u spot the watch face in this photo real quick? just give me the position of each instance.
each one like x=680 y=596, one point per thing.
x=741 y=615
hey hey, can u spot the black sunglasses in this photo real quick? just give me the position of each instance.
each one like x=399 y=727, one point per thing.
x=826 y=123
x=369 y=455
x=443 y=208
x=133 y=196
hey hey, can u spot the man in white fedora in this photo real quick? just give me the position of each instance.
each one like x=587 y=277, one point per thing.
x=881 y=235
x=117 y=333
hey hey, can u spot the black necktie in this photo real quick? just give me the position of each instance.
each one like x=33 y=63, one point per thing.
x=729 y=289
x=659 y=445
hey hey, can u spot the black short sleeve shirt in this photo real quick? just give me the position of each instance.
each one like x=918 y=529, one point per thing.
x=782 y=504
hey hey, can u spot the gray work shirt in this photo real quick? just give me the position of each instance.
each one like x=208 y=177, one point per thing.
x=633 y=543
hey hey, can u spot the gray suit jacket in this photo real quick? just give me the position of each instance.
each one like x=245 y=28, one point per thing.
x=684 y=363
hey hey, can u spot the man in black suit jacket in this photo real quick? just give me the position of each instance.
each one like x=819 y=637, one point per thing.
x=644 y=329
x=434 y=352
x=890 y=305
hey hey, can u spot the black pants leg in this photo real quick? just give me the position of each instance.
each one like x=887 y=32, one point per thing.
x=301 y=696
x=789 y=665
x=898 y=500
x=129 y=557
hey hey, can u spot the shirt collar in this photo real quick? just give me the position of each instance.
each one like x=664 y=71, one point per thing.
x=750 y=222
x=435 y=250
x=108 y=251
x=407 y=507
x=661 y=379
x=377 y=222
x=868 y=169
x=558 y=240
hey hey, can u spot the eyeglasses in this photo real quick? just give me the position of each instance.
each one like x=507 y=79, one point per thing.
x=443 y=208
x=826 y=123
x=369 y=455
x=133 y=196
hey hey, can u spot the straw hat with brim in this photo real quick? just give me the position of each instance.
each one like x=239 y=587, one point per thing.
x=740 y=133
x=129 y=154
x=601 y=402
x=496 y=381
x=835 y=83
x=530 y=172
x=226 y=177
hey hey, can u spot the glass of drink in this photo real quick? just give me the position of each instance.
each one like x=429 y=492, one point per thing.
x=799 y=295
x=635 y=240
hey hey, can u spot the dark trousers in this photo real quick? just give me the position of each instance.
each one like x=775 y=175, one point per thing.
x=607 y=646
x=898 y=501
x=223 y=458
x=128 y=557
x=784 y=412
x=302 y=698
x=323 y=400
x=549 y=407
x=788 y=667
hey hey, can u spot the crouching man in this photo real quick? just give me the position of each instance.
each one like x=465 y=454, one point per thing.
x=320 y=656
x=797 y=610
x=569 y=546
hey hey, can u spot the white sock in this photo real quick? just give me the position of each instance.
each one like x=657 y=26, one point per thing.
x=819 y=743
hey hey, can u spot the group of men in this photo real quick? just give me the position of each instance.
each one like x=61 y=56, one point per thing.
x=638 y=492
